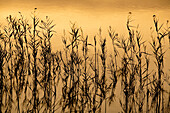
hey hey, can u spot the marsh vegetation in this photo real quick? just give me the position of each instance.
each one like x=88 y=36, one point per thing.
x=84 y=75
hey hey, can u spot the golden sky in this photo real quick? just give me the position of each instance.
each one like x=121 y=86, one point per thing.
x=87 y=4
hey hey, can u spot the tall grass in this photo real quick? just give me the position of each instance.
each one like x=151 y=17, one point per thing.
x=85 y=73
x=159 y=53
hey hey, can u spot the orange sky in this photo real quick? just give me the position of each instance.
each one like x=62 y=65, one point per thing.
x=107 y=5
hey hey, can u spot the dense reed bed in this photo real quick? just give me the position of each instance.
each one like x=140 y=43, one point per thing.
x=83 y=76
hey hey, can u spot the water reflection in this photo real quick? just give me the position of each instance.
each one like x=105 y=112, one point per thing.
x=91 y=21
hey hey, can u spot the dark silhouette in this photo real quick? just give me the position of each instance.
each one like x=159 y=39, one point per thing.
x=84 y=73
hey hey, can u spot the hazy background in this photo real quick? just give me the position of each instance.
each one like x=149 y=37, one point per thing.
x=91 y=15
x=90 y=4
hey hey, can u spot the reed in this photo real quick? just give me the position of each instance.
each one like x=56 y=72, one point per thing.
x=159 y=53
x=85 y=73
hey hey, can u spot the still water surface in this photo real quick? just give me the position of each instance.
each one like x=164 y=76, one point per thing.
x=90 y=20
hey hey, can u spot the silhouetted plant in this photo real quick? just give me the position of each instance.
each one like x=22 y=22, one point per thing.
x=113 y=65
x=2 y=79
x=158 y=52
x=31 y=74
x=34 y=45
x=46 y=61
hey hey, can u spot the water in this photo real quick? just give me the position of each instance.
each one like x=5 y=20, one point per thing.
x=90 y=19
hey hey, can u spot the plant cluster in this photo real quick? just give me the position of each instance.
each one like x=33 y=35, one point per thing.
x=83 y=76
